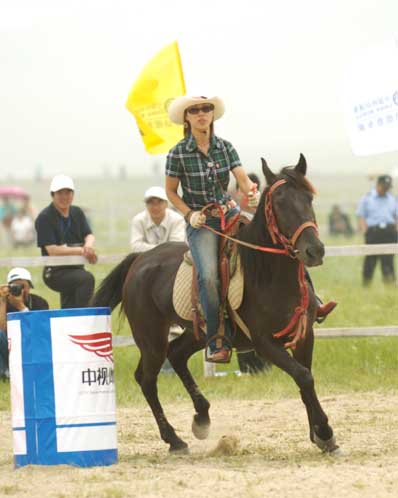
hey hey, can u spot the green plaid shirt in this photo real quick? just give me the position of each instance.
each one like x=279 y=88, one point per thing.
x=204 y=179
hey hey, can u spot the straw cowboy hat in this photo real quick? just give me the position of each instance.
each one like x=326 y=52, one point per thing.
x=180 y=104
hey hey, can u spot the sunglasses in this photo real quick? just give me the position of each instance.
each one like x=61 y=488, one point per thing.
x=198 y=108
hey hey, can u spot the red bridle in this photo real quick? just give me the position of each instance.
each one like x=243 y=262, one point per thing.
x=276 y=236
x=297 y=326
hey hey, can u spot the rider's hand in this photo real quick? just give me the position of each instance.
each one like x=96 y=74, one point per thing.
x=197 y=219
x=253 y=197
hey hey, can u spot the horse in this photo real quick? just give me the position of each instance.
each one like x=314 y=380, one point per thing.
x=143 y=283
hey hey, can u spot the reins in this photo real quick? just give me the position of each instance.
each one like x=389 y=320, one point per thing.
x=297 y=326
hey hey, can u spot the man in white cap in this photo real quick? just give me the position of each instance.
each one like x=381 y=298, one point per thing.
x=153 y=226
x=63 y=230
x=15 y=296
x=156 y=224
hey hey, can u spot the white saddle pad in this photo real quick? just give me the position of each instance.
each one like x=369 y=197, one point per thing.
x=183 y=285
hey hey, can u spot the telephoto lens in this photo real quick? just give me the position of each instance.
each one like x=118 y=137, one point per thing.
x=16 y=289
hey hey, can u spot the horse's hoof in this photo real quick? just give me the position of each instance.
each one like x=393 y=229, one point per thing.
x=200 y=431
x=179 y=449
x=327 y=446
x=338 y=452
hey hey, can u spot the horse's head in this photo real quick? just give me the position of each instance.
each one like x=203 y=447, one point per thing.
x=289 y=214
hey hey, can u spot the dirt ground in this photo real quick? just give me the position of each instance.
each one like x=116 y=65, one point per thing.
x=268 y=455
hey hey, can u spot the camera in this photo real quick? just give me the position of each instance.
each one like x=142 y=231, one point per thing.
x=15 y=289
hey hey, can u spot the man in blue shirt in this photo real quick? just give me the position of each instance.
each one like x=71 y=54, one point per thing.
x=378 y=218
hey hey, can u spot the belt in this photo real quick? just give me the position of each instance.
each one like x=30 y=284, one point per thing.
x=215 y=213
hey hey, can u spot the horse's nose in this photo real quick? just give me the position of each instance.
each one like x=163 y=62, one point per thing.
x=316 y=251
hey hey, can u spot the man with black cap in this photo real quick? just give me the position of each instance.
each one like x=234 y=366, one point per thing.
x=378 y=219
x=63 y=230
x=15 y=296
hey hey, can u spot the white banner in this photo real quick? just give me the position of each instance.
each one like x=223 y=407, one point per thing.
x=370 y=96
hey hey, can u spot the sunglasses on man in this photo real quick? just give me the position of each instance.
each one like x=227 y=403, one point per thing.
x=196 y=109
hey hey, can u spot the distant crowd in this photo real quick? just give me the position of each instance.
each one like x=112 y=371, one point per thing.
x=17 y=220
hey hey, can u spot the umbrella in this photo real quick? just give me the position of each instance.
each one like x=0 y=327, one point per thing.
x=11 y=191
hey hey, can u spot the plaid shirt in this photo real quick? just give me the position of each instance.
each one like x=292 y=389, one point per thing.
x=204 y=179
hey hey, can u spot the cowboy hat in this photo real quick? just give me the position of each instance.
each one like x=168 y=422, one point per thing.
x=180 y=104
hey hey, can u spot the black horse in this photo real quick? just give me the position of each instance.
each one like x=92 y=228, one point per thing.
x=272 y=295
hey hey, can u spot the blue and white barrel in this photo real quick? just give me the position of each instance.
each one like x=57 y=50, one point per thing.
x=62 y=387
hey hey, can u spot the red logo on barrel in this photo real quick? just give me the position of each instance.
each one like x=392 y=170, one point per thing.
x=99 y=343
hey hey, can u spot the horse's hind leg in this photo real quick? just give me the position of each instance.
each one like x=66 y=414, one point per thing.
x=180 y=350
x=151 y=365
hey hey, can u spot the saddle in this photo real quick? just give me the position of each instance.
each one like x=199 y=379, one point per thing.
x=186 y=276
x=185 y=291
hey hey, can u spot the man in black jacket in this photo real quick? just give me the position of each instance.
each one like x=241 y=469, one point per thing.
x=15 y=296
x=63 y=230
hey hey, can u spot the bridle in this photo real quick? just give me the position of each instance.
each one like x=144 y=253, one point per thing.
x=297 y=326
x=276 y=236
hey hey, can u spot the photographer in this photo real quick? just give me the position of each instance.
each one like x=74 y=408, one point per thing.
x=15 y=296
x=63 y=230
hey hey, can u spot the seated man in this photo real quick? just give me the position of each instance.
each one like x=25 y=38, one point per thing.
x=63 y=230
x=15 y=296
x=156 y=224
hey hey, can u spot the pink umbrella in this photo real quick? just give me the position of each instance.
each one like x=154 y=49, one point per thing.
x=11 y=191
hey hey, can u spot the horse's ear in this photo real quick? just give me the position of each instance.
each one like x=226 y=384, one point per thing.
x=269 y=176
x=301 y=166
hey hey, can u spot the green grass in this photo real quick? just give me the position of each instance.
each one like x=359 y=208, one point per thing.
x=340 y=365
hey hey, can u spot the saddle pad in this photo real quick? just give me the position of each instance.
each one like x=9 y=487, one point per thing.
x=183 y=284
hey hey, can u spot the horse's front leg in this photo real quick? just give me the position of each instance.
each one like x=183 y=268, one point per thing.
x=320 y=431
x=277 y=354
x=180 y=350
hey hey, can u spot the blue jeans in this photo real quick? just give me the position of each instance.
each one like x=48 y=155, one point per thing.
x=204 y=248
x=3 y=355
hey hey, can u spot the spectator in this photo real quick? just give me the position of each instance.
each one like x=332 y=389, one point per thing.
x=63 y=230
x=339 y=222
x=156 y=224
x=22 y=229
x=15 y=296
x=7 y=212
x=378 y=218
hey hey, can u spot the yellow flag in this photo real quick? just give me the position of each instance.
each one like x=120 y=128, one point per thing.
x=159 y=83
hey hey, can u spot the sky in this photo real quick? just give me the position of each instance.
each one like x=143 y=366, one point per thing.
x=68 y=66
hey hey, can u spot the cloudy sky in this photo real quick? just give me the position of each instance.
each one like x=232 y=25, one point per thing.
x=67 y=68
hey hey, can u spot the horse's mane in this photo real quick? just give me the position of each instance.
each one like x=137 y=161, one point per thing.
x=256 y=264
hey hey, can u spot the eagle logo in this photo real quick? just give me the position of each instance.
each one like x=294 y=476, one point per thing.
x=99 y=343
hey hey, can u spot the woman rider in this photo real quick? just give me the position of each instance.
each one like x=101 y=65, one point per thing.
x=201 y=163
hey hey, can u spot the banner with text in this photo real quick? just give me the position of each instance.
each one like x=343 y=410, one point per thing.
x=370 y=96
x=62 y=387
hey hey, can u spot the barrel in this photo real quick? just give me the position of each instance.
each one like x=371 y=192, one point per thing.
x=62 y=387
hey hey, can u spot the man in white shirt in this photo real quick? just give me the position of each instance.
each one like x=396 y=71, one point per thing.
x=153 y=226
x=156 y=224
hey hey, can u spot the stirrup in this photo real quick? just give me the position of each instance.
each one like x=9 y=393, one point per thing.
x=221 y=355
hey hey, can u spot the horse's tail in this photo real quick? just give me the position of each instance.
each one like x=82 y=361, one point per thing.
x=109 y=293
